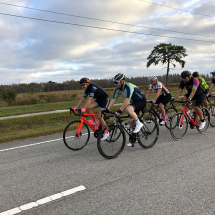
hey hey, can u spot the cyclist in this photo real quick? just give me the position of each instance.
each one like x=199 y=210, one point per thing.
x=162 y=96
x=132 y=94
x=194 y=93
x=204 y=86
x=102 y=101
x=212 y=84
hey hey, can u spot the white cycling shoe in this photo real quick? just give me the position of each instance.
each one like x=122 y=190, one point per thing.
x=105 y=136
x=138 y=127
x=202 y=125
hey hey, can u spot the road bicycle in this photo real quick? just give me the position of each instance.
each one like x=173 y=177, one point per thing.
x=180 y=121
x=115 y=143
x=211 y=108
x=170 y=111
x=77 y=133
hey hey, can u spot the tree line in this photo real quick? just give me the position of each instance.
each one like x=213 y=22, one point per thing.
x=74 y=85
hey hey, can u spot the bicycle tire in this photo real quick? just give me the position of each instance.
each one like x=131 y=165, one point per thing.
x=207 y=117
x=148 y=134
x=212 y=112
x=113 y=145
x=175 y=126
x=169 y=114
x=71 y=140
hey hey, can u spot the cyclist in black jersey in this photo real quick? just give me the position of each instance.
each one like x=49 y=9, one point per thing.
x=195 y=92
x=212 y=84
x=102 y=101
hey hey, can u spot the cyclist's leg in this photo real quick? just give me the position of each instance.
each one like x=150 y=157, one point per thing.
x=163 y=102
x=91 y=106
x=199 y=101
x=205 y=101
x=133 y=111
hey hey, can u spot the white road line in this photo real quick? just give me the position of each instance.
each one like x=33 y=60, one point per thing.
x=43 y=201
x=30 y=145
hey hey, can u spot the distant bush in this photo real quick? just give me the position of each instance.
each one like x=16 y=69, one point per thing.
x=8 y=95
x=34 y=101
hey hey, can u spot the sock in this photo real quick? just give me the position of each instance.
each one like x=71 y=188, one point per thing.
x=106 y=131
x=202 y=120
x=137 y=122
x=93 y=118
x=164 y=118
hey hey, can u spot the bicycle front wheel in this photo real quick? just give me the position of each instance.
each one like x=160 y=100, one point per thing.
x=73 y=139
x=178 y=127
x=169 y=114
x=206 y=115
x=149 y=133
x=114 y=144
x=212 y=112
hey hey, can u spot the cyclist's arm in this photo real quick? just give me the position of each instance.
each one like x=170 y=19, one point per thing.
x=178 y=93
x=81 y=102
x=88 y=102
x=157 y=94
x=211 y=89
x=112 y=102
x=196 y=83
x=148 y=93
x=125 y=103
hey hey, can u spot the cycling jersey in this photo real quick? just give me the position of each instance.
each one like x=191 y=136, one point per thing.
x=95 y=91
x=213 y=81
x=193 y=83
x=203 y=83
x=159 y=85
x=130 y=91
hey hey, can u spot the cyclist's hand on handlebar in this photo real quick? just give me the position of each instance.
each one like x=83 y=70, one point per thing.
x=118 y=112
x=172 y=101
x=83 y=110
x=209 y=95
x=74 y=109
x=153 y=101
x=105 y=111
x=188 y=101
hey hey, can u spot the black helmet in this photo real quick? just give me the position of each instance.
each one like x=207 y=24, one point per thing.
x=84 y=80
x=195 y=74
x=119 y=77
x=185 y=74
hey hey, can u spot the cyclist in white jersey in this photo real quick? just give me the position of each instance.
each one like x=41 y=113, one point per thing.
x=162 y=96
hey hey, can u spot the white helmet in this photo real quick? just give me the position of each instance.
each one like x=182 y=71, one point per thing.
x=152 y=78
x=119 y=77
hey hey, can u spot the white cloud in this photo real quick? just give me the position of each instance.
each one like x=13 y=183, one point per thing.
x=37 y=51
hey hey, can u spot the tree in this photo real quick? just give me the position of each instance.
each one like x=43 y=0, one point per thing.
x=8 y=95
x=167 y=54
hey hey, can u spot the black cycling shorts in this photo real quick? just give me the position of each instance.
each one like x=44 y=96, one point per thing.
x=102 y=103
x=139 y=106
x=199 y=99
x=163 y=99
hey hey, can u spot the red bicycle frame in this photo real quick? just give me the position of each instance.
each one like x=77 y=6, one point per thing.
x=83 y=119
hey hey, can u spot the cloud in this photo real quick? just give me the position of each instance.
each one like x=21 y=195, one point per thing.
x=38 y=51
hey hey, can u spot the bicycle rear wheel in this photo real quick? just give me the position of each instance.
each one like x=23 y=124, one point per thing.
x=212 y=112
x=114 y=144
x=149 y=133
x=75 y=141
x=207 y=117
x=177 y=131
x=169 y=114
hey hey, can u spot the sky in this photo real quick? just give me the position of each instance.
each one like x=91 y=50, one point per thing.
x=41 y=51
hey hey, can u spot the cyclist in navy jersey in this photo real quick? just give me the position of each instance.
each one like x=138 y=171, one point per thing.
x=195 y=92
x=162 y=97
x=102 y=101
x=212 y=85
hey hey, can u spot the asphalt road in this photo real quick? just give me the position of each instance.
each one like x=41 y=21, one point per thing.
x=173 y=177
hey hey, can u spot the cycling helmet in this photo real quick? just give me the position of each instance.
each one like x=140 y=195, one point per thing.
x=152 y=78
x=84 y=80
x=185 y=74
x=195 y=74
x=119 y=77
x=213 y=73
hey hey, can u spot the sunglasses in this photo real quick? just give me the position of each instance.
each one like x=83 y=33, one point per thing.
x=83 y=85
x=116 y=82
